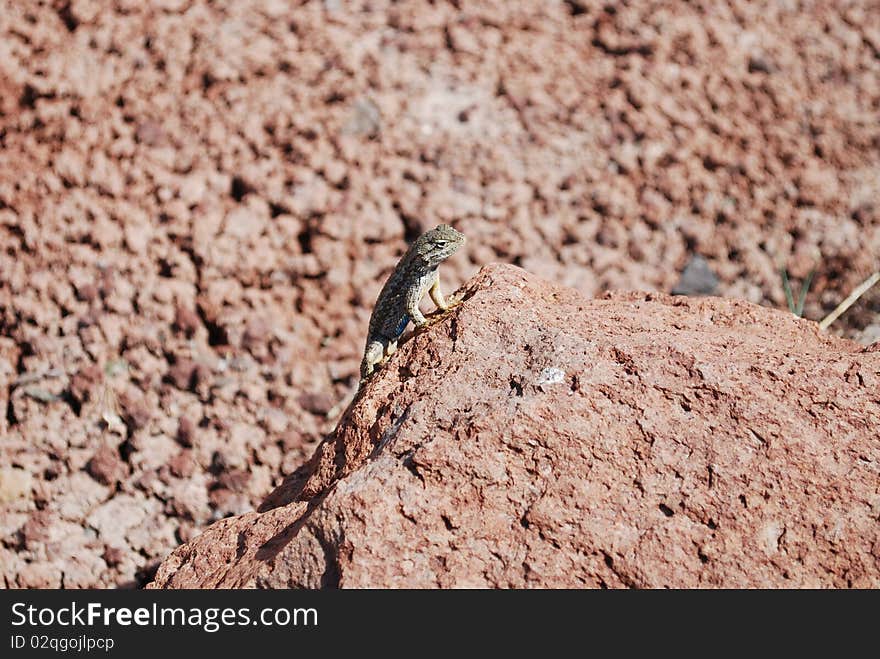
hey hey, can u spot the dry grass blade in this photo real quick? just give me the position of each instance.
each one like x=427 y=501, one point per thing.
x=110 y=410
x=859 y=291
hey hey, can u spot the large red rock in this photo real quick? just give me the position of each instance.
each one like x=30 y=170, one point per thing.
x=534 y=437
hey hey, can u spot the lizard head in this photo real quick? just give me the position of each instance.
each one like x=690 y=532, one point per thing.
x=438 y=244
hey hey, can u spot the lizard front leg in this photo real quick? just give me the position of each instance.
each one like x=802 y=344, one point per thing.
x=412 y=307
x=437 y=294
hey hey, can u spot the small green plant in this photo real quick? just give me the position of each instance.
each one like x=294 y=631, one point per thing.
x=796 y=309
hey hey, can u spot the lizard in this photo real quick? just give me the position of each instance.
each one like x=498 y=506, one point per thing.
x=416 y=273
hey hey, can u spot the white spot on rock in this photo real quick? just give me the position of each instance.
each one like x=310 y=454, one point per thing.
x=769 y=536
x=551 y=375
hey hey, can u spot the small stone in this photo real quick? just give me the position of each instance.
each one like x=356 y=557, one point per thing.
x=106 y=466
x=87 y=292
x=113 y=556
x=138 y=236
x=256 y=334
x=182 y=465
x=235 y=479
x=186 y=431
x=150 y=133
x=696 y=278
x=760 y=64
x=135 y=410
x=365 y=119
x=182 y=374
x=83 y=383
x=317 y=402
x=36 y=530
x=15 y=484
x=186 y=320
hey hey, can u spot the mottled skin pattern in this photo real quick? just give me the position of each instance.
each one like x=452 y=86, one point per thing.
x=398 y=303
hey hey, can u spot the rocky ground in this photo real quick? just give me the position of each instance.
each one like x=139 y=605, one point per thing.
x=199 y=204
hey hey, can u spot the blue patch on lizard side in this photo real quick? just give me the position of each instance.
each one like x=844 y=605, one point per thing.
x=401 y=325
